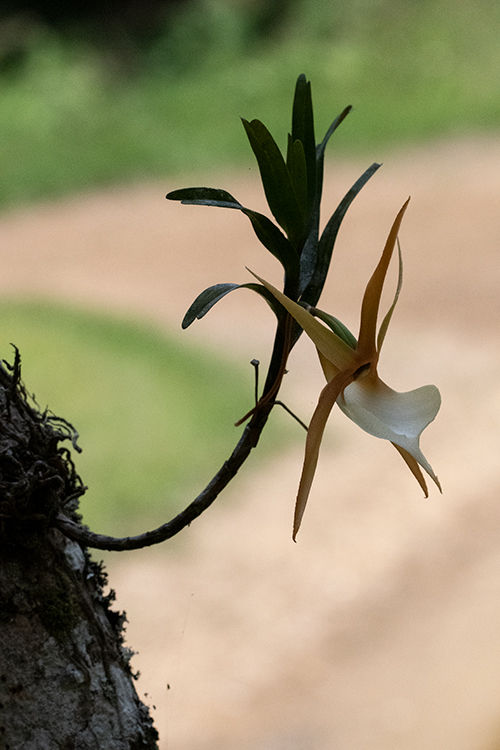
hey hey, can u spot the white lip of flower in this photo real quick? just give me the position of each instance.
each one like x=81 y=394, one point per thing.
x=387 y=414
x=353 y=382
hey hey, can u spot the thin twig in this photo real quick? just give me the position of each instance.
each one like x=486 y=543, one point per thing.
x=273 y=384
x=298 y=419
x=255 y=363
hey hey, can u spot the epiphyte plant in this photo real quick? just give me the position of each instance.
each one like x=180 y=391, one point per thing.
x=293 y=187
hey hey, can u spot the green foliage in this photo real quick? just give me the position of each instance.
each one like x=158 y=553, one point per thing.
x=293 y=191
x=154 y=416
x=277 y=181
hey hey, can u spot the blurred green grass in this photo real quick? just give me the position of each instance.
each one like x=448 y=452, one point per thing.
x=413 y=71
x=155 y=422
x=155 y=417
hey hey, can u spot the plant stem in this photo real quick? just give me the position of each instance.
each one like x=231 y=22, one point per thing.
x=249 y=439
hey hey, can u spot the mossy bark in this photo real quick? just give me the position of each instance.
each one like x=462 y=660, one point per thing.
x=65 y=680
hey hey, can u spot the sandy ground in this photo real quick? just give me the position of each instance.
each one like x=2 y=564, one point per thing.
x=380 y=629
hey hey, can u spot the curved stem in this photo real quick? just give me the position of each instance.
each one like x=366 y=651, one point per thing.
x=229 y=469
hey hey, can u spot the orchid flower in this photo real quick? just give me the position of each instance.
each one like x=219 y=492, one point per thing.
x=350 y=368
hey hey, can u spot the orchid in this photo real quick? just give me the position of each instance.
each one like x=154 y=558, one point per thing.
x=350 y=368
x=293 y=186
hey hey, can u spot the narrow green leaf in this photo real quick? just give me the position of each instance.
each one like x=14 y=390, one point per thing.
x=320 y=166
x=335 y=325
x=205 y=301
x=309 y=253
x=276 y=181
x=273 y=303
x=203 y=196
x=333 y=127
x=208 y=298
x=296 y=163
x=276 y=242
x=314 y=269
x=267 y=232
x=303 y=130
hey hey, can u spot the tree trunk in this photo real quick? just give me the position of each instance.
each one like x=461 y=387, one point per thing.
x=65 y=679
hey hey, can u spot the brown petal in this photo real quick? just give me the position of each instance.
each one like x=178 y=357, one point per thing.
x=327 y=399
x=371 y=300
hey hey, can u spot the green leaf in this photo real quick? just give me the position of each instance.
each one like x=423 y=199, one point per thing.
x=276 y=180
x=205 y=301
x=276 y=242
x=320 y=165
x=267 y=232
x=275 y=306
x=315 y=269
x=296 y=164
x=204 y=196
x=303 y=130
x=320 y=151
x=303 y=117
x=208 y=298
x=335 y=325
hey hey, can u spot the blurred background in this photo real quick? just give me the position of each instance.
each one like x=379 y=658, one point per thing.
x=93 y=93
x=103 y=94
x=379 y=630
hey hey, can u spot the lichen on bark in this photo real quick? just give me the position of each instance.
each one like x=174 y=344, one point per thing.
x=65 y=677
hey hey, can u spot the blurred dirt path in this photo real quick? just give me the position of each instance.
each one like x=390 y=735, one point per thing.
x=380 y=629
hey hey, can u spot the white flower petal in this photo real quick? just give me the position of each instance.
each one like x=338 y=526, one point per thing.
x=387 y=414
